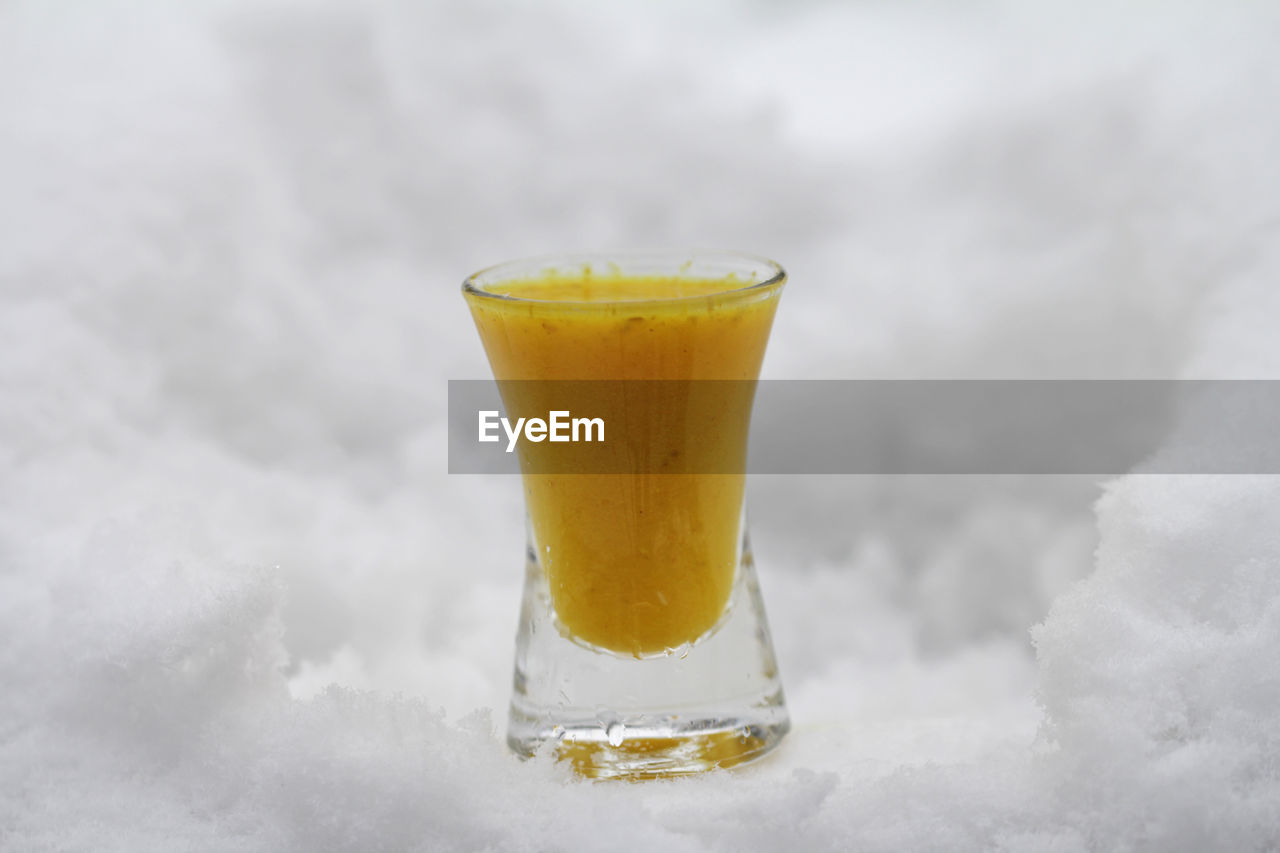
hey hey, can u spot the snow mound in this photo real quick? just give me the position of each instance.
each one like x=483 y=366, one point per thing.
x=242 y=605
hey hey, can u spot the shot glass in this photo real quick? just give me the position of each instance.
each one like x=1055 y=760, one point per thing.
x=642 y=649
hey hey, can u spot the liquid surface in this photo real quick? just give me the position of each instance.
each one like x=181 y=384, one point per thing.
x=642 y=562
x=612 y=288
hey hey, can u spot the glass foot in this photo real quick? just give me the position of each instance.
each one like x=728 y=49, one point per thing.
x=711 y=704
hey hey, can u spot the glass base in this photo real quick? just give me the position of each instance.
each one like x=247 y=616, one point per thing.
x=674 y=749
x=717 y=702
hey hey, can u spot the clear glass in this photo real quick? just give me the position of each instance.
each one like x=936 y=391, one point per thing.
x=643 y=648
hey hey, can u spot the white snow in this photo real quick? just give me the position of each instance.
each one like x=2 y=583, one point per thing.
x=242 y=605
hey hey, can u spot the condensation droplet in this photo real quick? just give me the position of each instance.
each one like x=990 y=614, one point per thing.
x=615 y=733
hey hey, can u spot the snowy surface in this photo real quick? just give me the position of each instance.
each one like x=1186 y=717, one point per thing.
x=243 y=607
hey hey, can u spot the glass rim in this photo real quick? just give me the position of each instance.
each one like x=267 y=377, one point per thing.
x=679 y=259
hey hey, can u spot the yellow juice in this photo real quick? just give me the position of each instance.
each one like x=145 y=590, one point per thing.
x=644 y=561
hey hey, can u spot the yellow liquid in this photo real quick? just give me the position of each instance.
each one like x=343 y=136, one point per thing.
x=637 y=563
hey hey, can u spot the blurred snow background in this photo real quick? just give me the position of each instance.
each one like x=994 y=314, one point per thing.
x=242 y=607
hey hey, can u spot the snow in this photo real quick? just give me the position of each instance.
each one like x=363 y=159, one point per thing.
x=242 y=605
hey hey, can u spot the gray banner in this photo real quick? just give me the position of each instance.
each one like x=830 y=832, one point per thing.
x=866 y=427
